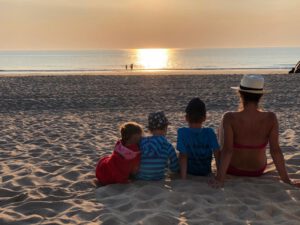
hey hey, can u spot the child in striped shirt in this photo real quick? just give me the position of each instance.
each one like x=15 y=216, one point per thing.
x=157 y=153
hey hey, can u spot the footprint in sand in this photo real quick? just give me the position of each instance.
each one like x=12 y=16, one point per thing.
x=288 y=137
x=17 y=198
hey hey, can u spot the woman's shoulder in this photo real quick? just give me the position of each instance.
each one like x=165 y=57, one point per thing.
x=229 y=115
x=271 y=116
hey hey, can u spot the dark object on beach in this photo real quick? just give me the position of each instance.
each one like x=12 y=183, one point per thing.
x=296 y=69
x=126 y=67
x=131 y=66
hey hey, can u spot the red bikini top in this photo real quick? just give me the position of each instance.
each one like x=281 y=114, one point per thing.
x=240 y=146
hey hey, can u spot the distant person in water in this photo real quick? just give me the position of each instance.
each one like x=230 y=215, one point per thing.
x=125 y=159
x=131 y=66
x=126 y=67
x=244 y=136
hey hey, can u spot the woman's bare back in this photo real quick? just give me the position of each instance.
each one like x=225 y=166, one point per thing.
x=251 y=128
x=251 y=131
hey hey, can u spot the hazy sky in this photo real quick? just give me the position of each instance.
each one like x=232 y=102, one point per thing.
x=96 y=24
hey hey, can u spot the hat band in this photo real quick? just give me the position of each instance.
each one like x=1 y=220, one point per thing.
x=250 y=89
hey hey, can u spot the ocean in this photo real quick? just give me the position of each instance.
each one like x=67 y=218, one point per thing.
x=278 y=59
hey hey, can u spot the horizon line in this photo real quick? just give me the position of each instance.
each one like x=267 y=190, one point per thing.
x=128 y=49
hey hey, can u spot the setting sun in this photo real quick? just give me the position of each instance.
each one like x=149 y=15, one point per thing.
x=153 y=58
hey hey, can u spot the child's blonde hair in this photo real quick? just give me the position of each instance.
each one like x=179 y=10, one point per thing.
x=128 y=129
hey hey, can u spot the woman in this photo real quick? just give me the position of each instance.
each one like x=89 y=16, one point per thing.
x=247 y=133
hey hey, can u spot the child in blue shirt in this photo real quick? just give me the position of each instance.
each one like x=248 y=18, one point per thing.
x=157 y=153
x=196 y=144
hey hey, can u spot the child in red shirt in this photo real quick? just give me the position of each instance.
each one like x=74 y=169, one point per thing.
x=125 y=159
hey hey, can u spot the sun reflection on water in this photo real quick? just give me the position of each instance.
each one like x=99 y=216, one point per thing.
x=153 y=58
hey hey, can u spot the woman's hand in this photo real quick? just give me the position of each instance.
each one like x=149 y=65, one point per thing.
x=295 y=183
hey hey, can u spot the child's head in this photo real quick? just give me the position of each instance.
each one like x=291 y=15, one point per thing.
x=195 y=111
x=158 y=123
x=131 y=133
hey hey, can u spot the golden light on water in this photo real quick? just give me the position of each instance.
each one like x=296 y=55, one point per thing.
x=153 y=58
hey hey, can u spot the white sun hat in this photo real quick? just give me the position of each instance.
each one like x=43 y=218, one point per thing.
x=252 y=84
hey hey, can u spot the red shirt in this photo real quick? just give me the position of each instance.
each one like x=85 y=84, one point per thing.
x=117 y=167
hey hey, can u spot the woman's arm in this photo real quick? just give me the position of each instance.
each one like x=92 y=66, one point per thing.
x=227 y=150
x=183 y=165
x=276 y=152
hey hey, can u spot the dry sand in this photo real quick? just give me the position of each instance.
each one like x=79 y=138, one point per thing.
x=54 y=129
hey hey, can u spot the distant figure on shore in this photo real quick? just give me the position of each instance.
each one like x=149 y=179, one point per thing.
x=126 y=67
x=131 y=66
x=296 y=69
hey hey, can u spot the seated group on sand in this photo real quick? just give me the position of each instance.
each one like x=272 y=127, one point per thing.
x=243 y=136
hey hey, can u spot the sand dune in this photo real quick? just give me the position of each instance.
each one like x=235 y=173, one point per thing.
x=54 y=129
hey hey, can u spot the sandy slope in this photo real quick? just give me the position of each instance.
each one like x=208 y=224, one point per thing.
x=243 y=201
x=54 y=129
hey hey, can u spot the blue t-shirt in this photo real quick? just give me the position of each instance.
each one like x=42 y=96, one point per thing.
x=157 y=154
x=198 y=144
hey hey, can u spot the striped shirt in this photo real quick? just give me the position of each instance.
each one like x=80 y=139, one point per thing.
x=157 y=154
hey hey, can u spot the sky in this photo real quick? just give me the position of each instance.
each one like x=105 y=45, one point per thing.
x=107 y=24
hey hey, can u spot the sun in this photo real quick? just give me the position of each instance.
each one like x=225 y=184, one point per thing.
x=153 y=58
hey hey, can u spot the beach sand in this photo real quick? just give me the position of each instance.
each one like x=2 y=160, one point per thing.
x=54 y=129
